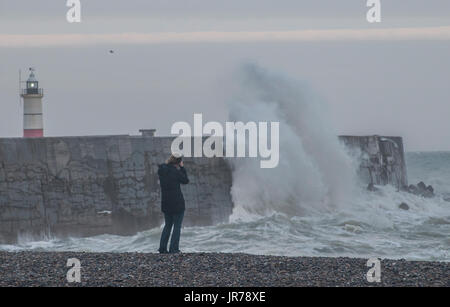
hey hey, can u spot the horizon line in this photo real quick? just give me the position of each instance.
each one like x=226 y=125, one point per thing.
x=330 y=35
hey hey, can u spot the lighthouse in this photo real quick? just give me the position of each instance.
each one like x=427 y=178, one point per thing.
x=33 y=126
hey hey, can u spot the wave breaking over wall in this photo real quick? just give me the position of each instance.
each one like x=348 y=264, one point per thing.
x=314 y=172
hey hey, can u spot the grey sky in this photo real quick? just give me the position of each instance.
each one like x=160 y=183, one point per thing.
x=387 y=86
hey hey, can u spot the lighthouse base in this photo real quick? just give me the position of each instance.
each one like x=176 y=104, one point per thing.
x=33 y=133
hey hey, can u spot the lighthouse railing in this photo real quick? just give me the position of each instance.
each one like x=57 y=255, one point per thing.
x=32 y=91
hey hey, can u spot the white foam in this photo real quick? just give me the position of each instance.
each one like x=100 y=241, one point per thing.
x=314 y=170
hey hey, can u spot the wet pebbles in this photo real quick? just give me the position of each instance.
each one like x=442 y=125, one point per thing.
x=211 y=269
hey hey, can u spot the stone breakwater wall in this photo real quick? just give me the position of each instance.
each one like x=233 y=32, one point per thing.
x=381 y=158
x=82 y=186
x=90 y=185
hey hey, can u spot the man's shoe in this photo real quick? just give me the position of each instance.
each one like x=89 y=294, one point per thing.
x=175 y=252
x=163 y=251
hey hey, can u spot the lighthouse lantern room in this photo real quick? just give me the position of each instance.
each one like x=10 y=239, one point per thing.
x=33 y=125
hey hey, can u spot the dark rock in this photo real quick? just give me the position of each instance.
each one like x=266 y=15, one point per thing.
x=421 y=189
x=421 y=186
x=413 y=189
x=371 y=187
x=404 y=188
x=404 y=206
x=428 y=192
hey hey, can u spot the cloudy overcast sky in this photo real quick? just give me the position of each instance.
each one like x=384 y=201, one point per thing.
x=172 y=57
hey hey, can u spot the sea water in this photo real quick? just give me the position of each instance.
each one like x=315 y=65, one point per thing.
x=371 y=226
x=312 y=203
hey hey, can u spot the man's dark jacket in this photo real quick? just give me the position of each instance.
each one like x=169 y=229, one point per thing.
x=170 y=178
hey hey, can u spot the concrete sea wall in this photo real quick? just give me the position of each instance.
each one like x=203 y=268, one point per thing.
x=382 y=159
x=91 y=185
x=82 y=186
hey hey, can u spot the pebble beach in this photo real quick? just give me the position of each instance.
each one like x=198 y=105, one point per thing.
x=49 y=269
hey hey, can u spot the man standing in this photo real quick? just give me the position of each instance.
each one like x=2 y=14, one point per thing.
x=171 y=175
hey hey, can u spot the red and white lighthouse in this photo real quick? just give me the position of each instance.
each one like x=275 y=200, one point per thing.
x=33 y=125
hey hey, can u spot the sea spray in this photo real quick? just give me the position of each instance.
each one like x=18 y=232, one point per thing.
x=314 y=171
x=370 y=224
x=367 y=224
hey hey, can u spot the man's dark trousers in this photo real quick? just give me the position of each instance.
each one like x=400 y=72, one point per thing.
x=174 y=220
